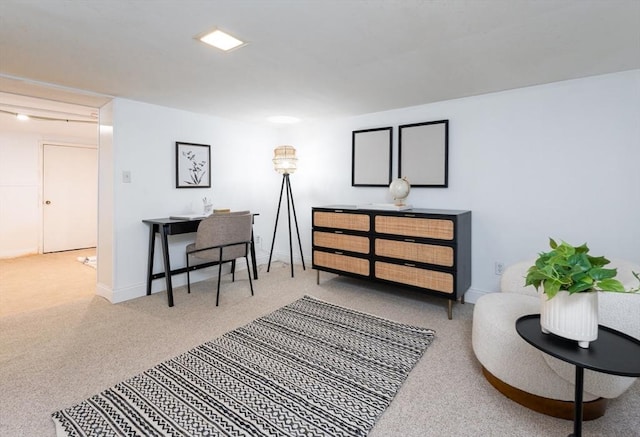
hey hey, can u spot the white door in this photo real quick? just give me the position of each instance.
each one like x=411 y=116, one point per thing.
x=70 y=197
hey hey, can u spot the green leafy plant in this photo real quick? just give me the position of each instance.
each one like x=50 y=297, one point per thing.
x=571 y=268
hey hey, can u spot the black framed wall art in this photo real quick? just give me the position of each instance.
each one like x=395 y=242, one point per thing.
x=193 y=165
x=371 y=157
x=423 y=153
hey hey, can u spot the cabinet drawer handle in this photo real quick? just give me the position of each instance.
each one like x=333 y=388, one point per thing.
x=339 y=253
x=409 y=215
x=409 y=240
x=337 y=210
x=409 y=265
x=337 y=232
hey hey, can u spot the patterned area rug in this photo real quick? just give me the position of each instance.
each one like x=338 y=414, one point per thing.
x=310 y=368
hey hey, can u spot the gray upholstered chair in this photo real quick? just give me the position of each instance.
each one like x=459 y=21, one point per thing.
x=531 y=377
x=222 y=238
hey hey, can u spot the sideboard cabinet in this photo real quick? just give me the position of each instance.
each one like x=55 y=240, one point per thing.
x=423 y=249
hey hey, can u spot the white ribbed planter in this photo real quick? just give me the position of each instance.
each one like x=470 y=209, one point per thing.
x=572 y=316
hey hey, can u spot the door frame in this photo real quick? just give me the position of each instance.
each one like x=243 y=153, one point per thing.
x=41 y=144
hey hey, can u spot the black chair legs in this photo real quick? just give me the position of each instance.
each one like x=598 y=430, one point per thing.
x=219 y=277
x=249 y=272
x=233 y=271
x=188 y=278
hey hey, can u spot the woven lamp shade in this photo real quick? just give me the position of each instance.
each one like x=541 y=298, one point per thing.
x=284 y=159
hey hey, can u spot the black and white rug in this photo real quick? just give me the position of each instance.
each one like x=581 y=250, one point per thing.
x=308 y=369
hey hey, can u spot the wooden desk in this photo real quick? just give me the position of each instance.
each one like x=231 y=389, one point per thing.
x=165 y=227
x=611 y=353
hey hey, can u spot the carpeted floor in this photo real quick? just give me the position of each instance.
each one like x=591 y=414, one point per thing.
x=310 y=368
x=54 y=358
x=35 y=282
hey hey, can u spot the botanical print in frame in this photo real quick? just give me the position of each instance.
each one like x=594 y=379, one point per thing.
x=193 y=165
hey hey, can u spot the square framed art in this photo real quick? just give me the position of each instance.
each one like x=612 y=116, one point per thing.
x=193 y=165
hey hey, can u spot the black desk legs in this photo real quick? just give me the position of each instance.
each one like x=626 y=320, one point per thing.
x=167 y=267
x=577 y=405
x=164 y=228
x=152 y=245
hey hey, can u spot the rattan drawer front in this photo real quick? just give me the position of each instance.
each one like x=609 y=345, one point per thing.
x=352 y=243
x=403 y=274
x=424 y=253
x=341 y=262
x=415 y=227
x=339 y=220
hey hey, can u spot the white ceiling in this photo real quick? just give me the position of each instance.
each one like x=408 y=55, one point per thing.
x=307 y=58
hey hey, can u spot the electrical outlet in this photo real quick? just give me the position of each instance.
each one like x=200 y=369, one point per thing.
x=259 y=241
x=499 y=267
x=126 y=177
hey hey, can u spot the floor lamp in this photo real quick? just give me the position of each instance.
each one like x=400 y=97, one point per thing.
x=284 y=162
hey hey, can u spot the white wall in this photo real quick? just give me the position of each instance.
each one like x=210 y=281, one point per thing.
x=19 y=194
x=557 y=160
x=106 y=201
x=144 y=139
x=21 y=187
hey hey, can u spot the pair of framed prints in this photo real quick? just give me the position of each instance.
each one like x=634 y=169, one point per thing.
x=423 y=150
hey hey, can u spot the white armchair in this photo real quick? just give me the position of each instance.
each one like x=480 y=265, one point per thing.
x=531 y=377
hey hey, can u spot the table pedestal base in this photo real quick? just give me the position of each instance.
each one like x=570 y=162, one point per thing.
x=577 y=412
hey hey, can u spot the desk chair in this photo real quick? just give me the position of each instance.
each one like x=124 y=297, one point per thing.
x=222 y=238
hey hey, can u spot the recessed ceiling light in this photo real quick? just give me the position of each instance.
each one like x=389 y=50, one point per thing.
x=285 y=119
x=22 y=117
x=221 y=40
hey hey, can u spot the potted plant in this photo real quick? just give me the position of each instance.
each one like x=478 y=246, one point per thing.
x=570 y=279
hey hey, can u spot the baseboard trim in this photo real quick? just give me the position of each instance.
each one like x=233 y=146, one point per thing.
x=139 y=290
x=120 y=295
x=472 y=295
x=103 y=290
x=551 y=407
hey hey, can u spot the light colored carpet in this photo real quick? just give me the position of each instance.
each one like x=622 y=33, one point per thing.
x=54 y=358
x=310 y=368
x=34 y=282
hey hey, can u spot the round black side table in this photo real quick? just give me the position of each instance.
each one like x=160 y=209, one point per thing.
x=612 y=353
